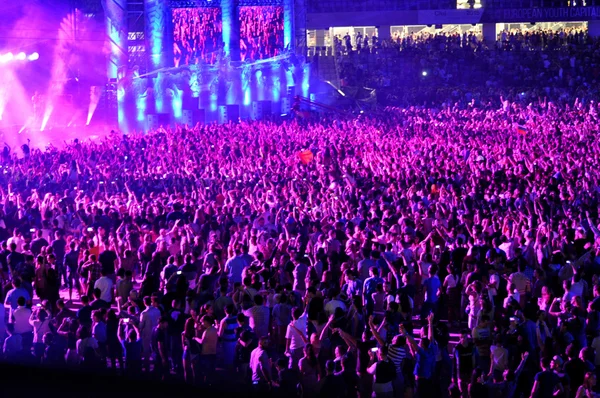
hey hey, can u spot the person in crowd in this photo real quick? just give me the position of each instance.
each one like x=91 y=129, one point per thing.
x=486 y=189
x=260 y=365
x=149 y=319
x=160 y=342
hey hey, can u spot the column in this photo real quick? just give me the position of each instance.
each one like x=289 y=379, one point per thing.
x=116 y=29
x=489 y=33
x=594 y=29
x=384 y=32
x=320 y=37
x=157 y=17
x=231 y=28
x=288 y=24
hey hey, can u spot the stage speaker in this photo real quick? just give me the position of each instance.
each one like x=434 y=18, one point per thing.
x=229 y=113
x=187 y=118
x=151 y=122
x=199 y=116
x=291 y=91
x=285 y=106
x=267 y=107
x=260 y=109
x=233 y=113
x=222 y=114
x=257 y=110
x=164 y=119
x=192 y=117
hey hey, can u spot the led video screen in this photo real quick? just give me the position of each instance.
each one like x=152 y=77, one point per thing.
x=261 y=32
x=197 y=35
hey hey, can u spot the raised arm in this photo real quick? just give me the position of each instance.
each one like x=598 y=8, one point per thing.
x=375 y=332
x=348 y=339
x=414 y=347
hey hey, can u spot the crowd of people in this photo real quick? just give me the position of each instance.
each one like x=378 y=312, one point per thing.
x=197 y=35
x=333 y=6
x=444 y=250
x=215 y=251
x=261 y=32
x=435 y=69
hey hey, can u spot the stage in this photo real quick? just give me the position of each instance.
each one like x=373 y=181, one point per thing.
x=227 y=91
x=189 y=62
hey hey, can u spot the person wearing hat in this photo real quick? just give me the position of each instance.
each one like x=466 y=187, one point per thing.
x=506 y=382
x=546 y=382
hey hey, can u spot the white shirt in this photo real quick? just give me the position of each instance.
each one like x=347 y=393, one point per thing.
x=450 y=281
x=424 y=266
x=576 y=289
x=105 y=284
x=506 y=247
x=83 y=345
x=499 y=357
x=495 y=281
x=293 y=335
x=332 y=305
x=40 y=329
x=596 y=346
x=17 y=241
x=148 y=321
x=21 y=315
x=2 y=323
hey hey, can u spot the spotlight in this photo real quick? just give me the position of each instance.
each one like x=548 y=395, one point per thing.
x=7 y=57
x=424 y=73
x=21 y=56
x=34 y=56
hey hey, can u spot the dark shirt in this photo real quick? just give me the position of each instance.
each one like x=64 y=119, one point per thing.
x=472 y=277
x=84 y=314
x=59 y=249
x=71 y=260
x=26 y=271
x=158 y=336
x=425 y=361
x=350 y=381
x=175 y=216
x=132 y=350
x=332 y=386
x=188 y=267
x=458 y=256
x=63 y=314
x=99 y=304
x=478 y=390
x=432 y=286
x=463 y=359
x=575 y=369
x=4 y=259
x=547 y=382
x=529 y=332
x=14 y=259
x=176 y=322
x=94 y=272
x=385 y=372
x=596 y=304
x=168 y=273
x=53 y=355
x=37 y=245
x=107 y=259
x=315 y=306
x=362 y=349
x=288 y=382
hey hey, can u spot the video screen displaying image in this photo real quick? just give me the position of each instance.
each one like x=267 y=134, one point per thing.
x=261 y=32
x=197 y=35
